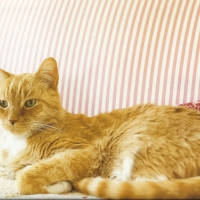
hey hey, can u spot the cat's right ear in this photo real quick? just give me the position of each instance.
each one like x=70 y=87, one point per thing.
x=48 y=72
x=4 y=75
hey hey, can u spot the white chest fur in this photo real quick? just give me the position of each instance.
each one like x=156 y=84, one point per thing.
x=11 y=145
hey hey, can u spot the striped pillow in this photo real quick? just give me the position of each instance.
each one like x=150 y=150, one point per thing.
x=111 y=53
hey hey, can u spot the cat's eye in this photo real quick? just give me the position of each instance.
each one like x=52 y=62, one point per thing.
x=3 y=104
x=30 y=103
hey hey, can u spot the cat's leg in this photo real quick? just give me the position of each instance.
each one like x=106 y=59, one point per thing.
x=51 y=175
x=123 y=172
x=123 y=165
x=55 y=188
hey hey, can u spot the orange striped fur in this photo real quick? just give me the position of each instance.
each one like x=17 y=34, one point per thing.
x=47 y=148
x=116 y=189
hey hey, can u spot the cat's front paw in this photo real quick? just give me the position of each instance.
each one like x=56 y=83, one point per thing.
x=28 y=182
x=59 y=187
x=31 y=181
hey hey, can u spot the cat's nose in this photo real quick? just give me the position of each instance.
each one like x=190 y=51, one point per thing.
x=13 y=121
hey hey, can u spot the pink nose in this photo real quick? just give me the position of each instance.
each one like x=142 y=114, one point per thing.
x=13 y=121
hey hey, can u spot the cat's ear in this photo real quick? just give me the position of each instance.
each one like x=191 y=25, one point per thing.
x=4 y=75
x=48 y=72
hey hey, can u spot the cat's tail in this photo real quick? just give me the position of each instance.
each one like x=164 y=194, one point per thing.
x=116 y=189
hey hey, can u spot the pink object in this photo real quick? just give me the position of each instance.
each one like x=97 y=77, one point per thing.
x=192 y=104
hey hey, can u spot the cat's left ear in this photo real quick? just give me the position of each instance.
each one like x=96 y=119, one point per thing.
x=4 y=75
x=48 y=72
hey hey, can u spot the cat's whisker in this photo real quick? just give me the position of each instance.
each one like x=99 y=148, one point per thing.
x=52 y=127
x=43 y=126
x=40 y=129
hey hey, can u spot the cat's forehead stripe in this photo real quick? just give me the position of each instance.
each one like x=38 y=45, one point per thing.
x=19 y=87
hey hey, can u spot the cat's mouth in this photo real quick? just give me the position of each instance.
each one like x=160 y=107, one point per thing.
x=12 y=129
x=16 y=128
x=29 y=127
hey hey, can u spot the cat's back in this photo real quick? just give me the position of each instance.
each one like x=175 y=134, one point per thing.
x=147 y=136
x=171 y=120
x=150 y=125
x=160 y=119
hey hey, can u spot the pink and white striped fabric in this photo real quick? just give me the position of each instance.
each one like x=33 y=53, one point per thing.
x=111 y=53
x=193 y=105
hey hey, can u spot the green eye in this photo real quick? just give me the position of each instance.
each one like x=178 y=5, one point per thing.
x=30 y=103
x=3 y=104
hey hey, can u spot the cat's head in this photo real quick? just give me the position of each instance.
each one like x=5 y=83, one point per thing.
x=28 y=102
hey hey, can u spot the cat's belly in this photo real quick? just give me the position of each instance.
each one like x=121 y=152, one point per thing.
x=10 y=146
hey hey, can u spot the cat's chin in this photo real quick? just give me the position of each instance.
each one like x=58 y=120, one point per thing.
x=20 y=133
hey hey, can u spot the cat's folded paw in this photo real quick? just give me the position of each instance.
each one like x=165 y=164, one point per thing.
x=32 y=181
x=59 y=187
x=28 y=182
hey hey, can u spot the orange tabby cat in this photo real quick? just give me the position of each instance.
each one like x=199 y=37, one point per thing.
x=145 y=151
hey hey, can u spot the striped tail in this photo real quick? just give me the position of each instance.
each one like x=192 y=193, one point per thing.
x=116 y=189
